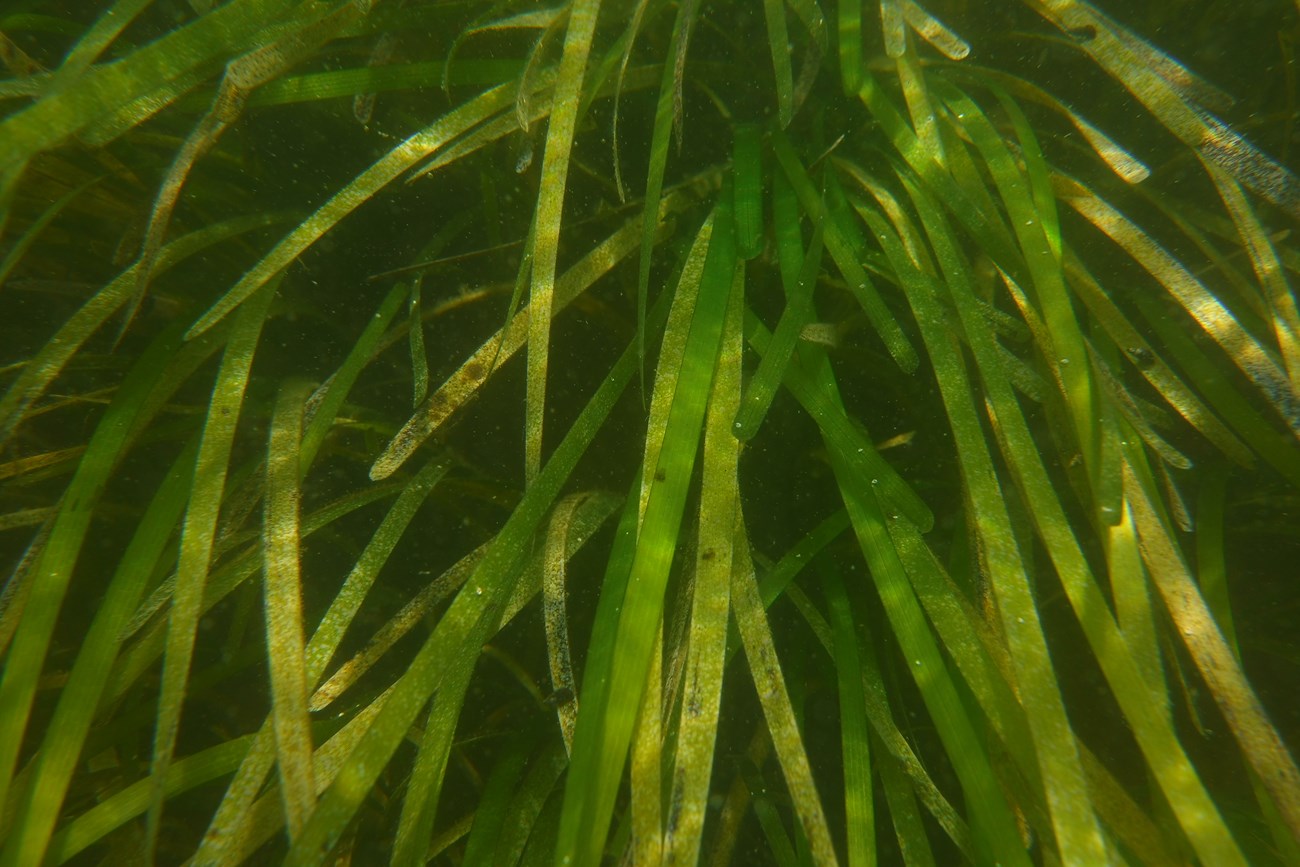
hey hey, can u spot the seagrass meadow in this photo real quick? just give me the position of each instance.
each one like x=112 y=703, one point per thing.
x=638 y=432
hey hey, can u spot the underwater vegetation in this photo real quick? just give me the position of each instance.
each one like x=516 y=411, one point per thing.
x=646 y=432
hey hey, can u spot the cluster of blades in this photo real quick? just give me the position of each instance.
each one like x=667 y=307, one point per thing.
x=1013 y=375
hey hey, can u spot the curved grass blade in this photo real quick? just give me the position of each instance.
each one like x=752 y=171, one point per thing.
x=550 y=210
x=243 y=75
x=197 y=536
x=765 y=669
x=1158 y=85
x=283 y=600
x=556 y=618
x=1260 y=743
x=633 y=28
x=49 y=121
x=710 y=601
x=748 y=168
x=934 y=31
x=1197 y=814
x=810 y=16
x=778 y=41
x=1150 y=364
x=859 y=817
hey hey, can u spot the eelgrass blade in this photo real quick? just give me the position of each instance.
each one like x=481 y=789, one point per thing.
x=778 y=41
x=282 y=592
x=611 y=695
x=160 y=370
x=913 y=844
x=419 y=356
x=654 y=185
x=633 y=28
x=993 y=829
x=242 y=75
x=20 y=247
x=765 y=669
x=550 y=211
x=197 y=535
x=549 y=22
x=95 y=41
x=398 y=626
x=916 y=94
x=1031 y=209
x=1158 y=85
x=554 y=605
x=649 y=841
x=1151 y=363
x=424 y=788
x=859 y=818
x=710 y=600
x=848 y=27
x=647 y=751
x=1260 y=743
x=18 y=586
x=265 y=818
x=876 y=698
x=934 y=31
x=747 y=164
x=1211 y=556
x=810 y=16
x=329 y=398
